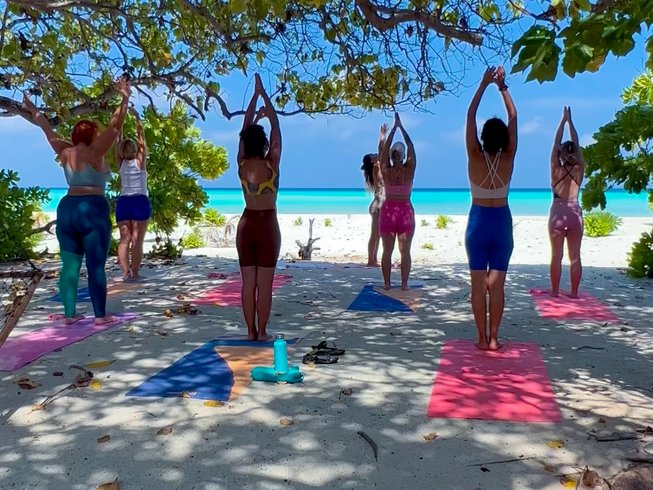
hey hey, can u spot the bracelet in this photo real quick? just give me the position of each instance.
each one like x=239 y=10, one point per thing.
x=504 y=88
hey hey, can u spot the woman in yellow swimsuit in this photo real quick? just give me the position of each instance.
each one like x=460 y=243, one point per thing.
x=258 y=239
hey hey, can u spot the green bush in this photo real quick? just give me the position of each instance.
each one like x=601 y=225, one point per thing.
x=212 y=217
x=442 y=221
x=17 y=208
x=327 y=222
x=640 y=258
x=427 y=246
x=600 y=223
x=193 y=240
x=165 y=249
x=298 y=222
x=424 y=223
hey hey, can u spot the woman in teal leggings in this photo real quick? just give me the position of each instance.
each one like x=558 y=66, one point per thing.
x=83 y=219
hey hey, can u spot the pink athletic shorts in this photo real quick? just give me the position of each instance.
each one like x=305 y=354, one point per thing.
x=396 y=217
x=566 y=216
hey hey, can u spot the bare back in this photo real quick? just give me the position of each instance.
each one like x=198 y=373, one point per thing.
x=259 y=178
x=566 y=180
x=479 y=173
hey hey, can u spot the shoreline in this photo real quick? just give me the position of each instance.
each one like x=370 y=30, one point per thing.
x=344 y=238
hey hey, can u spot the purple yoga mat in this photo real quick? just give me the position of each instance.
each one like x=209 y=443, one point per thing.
x=20 y=350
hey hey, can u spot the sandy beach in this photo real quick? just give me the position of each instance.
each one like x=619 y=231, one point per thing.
x=600 y=373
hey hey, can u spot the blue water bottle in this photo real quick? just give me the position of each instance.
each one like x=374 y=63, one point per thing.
x=280 y=355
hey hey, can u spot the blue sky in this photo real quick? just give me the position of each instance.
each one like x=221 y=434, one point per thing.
x=326 y=151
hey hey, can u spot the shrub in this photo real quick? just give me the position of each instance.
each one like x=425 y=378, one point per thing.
x=298 y=222
x=427 y=246
x=165 y=250
x=17 y=208
x=327 y=222
x=212 y=217
x=193 y=240
x=442 y=221
x=424 y=223
x=640 y=258
x=600 y=223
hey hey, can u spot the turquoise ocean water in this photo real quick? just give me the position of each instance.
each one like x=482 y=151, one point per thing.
x=523 y=202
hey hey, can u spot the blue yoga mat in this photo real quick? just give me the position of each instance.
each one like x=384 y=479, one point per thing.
x=370 y=300
x=82 y=295
x=202 y=373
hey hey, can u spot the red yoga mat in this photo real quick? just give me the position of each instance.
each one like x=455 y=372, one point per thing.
x=228 y=293
x=509 y=384
x=563 y=307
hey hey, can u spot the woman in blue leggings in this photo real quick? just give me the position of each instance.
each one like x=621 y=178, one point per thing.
x=83 y=219
x=488 y=238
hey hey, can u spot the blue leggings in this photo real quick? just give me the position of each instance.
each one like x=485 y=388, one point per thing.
x=83 y=229
x=488 y=238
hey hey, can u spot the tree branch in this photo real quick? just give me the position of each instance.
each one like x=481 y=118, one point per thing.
x=46 y=228
x=396 y=17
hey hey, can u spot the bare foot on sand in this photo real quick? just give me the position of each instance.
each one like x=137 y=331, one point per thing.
x=73 y=319
x=264 y=337
x=104 y=319
x=404 y=286
x=494 y=345
x=387 y=286
x=554 y=294
x=373 y=264
x=482 y=345
x=252 y=334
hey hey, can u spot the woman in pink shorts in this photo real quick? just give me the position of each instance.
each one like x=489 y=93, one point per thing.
x=397 y=217
x=566 y=217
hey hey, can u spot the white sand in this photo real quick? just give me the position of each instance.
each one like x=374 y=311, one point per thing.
x=390 y=364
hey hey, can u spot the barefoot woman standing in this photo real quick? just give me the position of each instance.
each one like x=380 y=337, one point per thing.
x=83 y=214
x=488 y=238
x=258 y=238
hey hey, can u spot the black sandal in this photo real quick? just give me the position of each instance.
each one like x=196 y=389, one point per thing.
x=323 y=349
x=311 y=358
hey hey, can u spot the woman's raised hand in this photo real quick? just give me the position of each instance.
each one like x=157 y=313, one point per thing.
x=500 y=76
x=258 y=84
x=489 y=76
x=28 y=104
x=566 y=114
x=384 y=129
x=122 y=86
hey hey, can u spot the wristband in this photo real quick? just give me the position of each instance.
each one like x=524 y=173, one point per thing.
x=504 y=88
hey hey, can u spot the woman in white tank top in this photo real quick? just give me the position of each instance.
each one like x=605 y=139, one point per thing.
x=133 y=209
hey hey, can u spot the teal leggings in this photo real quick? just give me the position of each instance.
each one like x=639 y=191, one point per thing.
x=83 y=229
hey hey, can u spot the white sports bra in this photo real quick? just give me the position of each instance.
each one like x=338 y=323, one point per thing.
x=494 y=191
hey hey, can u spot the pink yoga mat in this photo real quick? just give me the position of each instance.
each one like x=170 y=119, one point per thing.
x=228 y=293
x=509 y=384
x=562 y=307
x=20 y=350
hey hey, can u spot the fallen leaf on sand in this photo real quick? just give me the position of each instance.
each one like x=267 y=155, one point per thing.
x=36 y=408
x=112 y=485
x=591 y=478
x=550 y=468
x=556 y=444
x=103 y=439
x=99 y=364
x=83 y=379
x=346 y=391
x=431 y=436
x=26 y=383
x=162 y=333
x=168 y=313
x=484 y=469
x=181 y=297
x=567 y=482
x=57 y=373
x=96 y=384
x=286 y=421
x=213 y=403
x=601 y=421
x=164 y=432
